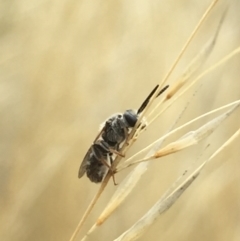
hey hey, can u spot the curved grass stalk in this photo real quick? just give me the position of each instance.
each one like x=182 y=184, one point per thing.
x=204 y=17
x=191 y=138
x=121 y=167
x=179 y=56
x=193 y=66
x=179 y=85
x=210 y=69
x=166 y=201
x=123 y=190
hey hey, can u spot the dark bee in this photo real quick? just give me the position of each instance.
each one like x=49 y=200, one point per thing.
x=116 y=129
x=99 y=158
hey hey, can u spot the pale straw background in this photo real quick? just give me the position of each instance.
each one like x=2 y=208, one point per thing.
x=65 y=66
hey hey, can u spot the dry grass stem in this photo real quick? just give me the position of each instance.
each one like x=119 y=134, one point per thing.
x=164 y=203
x=192 y=83
x=123 y=190
x=179 y=56
x=194 y=137
x=226 y=144
x=194 y=65
x=140 y=227
x=129 y=161
x=203 y=18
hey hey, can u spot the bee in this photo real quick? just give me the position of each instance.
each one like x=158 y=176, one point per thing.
x=106 y=146
x=117 y=128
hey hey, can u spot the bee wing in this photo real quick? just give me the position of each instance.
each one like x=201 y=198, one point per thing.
x=100 y=132
x=84 y=164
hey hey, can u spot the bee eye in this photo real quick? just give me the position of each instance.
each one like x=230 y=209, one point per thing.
x=131 y=117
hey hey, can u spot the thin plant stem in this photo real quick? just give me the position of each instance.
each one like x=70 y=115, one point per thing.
x=126 y=144
x=175 y=130
x=207 y=71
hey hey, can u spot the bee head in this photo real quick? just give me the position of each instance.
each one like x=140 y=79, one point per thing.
x=130 y=117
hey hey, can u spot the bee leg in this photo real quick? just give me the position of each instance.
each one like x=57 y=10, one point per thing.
x=110 y=160
x=116 y=152
x=112 y=171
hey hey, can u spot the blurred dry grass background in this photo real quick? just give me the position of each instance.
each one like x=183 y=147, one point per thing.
x=65 y=67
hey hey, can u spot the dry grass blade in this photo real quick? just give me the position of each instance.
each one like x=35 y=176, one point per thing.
x=199 y=77
x=227 y=143
x=194 y=66
x=179 y=56
x=166 y=150
x=164 y=203
x=197 y=62
x=204 y=17
x=90 y=207
x=123 y=190
x=161 y=206
x=194 y=137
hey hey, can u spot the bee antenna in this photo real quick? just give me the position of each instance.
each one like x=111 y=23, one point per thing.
x=163 y=90
x=144 y=104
